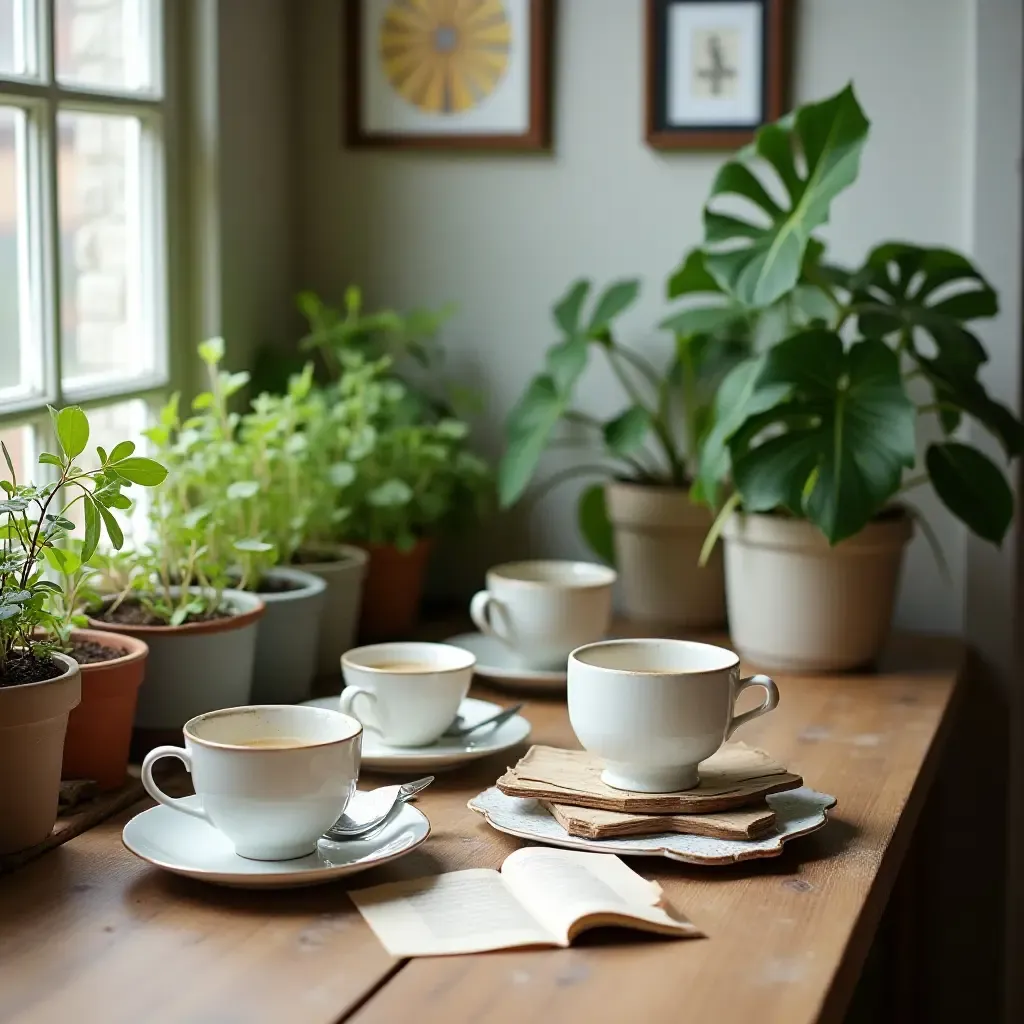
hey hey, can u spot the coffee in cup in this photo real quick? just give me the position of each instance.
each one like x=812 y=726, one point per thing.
x=272 y=778
x=408 y=693
x=654 y=709
x=541 y=610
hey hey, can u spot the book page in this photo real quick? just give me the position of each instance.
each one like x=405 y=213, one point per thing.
x=562 y=888
x=462 y=912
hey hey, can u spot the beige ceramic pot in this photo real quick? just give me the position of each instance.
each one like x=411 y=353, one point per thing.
x=797 y=604
x=33 y=721
x=658 y=537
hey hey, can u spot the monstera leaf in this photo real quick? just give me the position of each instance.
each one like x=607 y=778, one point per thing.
x=719 y=312
x=594 y=523
x=848 y=434
x=972 y=488
x=815 y=154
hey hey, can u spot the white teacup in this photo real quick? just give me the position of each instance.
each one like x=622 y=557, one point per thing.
x=654 y=709
x=271 y=777
x=409 y=693
x=541 y=610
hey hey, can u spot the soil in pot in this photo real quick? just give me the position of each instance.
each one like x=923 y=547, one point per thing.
x=132 y=613
x=23 y=668
x=100 y=728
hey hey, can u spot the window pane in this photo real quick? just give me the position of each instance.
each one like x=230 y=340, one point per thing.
x=107 y=44
x=12 y=37
x=20 y=444
x=107 y=272
x=20 y=345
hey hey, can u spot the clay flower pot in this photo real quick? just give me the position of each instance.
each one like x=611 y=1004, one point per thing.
x=194 y=668
x=100 y=728
x=33 y=720
x=393 y=589
x=658 y=537
x=287 y=638
x=343 y=568
x=797 y=604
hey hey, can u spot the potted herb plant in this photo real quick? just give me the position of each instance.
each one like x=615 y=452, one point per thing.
x=642 y=517
x=806 y=461
x=39 y=685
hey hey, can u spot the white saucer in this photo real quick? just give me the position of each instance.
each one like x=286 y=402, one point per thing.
x=497 y=664
x=798 y=813
x=445 y=753
x=188 y=846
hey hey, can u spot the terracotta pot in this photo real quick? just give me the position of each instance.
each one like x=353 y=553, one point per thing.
x=198 y=667
x=799 y=605
x=658 y=537
x=343 y=568
x=392 y=591
x=100 y=728
x=286 y=642
x=33 y=720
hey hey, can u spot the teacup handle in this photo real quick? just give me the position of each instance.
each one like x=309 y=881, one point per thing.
x=157 y=793
x=771 y=701
x=479 y=612
x=348 y=698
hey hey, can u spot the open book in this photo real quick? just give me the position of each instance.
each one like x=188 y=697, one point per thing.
x=541 y=897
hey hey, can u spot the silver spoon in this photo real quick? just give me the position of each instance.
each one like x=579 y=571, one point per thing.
x=382 y=807
x=458 y=729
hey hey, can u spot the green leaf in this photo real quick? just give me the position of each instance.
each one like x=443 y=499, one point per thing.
x=10 y=464
x=704 y=319
x=145 y=472
x=594 y=524
x=253 y=545
x=212 y=351
x=72 y=430
x=92 y=528
x=565 y=362
x=691 y=276
x=615 y=298
x=121 y=451
x=528 y=428
x=758 y=260
x=47 y=585
x=113 y=530
x=102 y=453
x=49 y=459
x=9 y=611
x=848 y=434
x=972 y=487
x=62 y=560
x=626 y=432
x=341 y=474
x=242 y=489
x=389 y=494
x=568 y=308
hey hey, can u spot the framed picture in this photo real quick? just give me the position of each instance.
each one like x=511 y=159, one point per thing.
x=448 y=74
x=716 y=70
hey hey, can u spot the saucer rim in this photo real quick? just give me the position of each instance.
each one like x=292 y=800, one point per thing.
x=325 y=873
x=532 y=676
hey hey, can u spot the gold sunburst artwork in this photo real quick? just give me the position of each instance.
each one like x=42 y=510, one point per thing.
x=445 y=56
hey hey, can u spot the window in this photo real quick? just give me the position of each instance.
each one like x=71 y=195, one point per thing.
x=83 y=216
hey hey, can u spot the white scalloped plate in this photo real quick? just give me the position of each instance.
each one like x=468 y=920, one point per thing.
x=798 y=813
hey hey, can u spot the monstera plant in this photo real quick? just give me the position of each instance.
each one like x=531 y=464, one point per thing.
x=812 y=439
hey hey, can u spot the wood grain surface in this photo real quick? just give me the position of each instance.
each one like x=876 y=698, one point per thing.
x=89 y=933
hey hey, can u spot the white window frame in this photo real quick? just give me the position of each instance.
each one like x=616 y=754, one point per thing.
x=38 y=92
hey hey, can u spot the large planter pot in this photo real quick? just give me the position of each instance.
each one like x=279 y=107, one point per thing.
x=286 y=643
x=343 y=568
x=393 y=589
x=797 y=604
x=33 y=720
x=658 y=537
x=100 y=728
x=194 y=668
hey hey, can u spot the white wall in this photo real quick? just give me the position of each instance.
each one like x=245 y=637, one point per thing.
x=503 y=235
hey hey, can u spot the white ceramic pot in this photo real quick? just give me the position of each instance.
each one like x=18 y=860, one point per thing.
x=343 y=568
x=195 y=668
x=33 y=721
x=658 y=537
x=797 y=604
x=286 y=644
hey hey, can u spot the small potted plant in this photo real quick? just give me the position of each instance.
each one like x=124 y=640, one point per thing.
x=643 y=518
x=811 y=441
x=39 y=685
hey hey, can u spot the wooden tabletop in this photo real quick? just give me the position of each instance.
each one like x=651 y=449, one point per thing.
x=90 y=933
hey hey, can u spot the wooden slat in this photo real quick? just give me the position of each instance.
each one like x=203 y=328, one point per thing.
x=88 y=932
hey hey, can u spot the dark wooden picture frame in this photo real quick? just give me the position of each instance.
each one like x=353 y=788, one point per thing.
x=537 y=135
x=775 y=47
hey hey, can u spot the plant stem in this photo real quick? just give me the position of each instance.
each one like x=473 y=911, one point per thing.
x=914 y=481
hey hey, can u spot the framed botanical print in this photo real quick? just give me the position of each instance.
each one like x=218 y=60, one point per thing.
x=443 y=74
x=716 y=70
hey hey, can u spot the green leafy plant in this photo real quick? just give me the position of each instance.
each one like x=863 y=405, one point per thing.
x=822 y=424
x=35 y=524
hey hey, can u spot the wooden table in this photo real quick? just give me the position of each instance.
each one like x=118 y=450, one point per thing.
x=90 y=933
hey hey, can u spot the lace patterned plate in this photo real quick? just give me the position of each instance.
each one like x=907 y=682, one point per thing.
x=798 y=813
